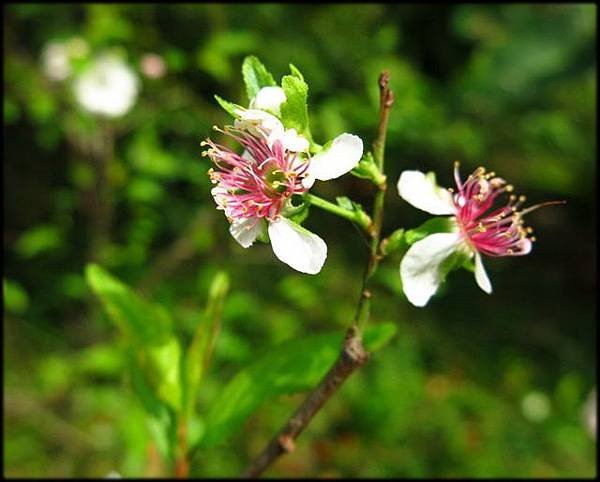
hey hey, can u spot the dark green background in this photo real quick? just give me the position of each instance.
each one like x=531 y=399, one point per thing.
x=510 y=87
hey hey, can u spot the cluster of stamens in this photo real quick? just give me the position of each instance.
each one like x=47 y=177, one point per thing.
x=494 y=232
x=258 y=183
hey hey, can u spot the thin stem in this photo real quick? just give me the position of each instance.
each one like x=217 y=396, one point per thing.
x=353 y=353
x=359 y=217
x=182 y=463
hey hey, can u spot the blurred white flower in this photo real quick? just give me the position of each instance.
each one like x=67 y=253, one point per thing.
x=535 y=406
x=108 y=87
x=153 y=66
x=57 y=57
x=589 y=414
x=56 y=63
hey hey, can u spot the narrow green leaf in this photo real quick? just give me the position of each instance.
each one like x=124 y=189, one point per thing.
x=345 y=202
x=148 y=330
x=200 y=351
x=294 y=111
x=162 y=365
x=229 y=107
x=433 y=225
x=292 y=367
x=144 y=323
x=256 y=76
x=295 y=72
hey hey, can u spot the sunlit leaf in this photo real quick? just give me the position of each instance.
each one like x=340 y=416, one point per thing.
x=256 y=76
x=294 y=111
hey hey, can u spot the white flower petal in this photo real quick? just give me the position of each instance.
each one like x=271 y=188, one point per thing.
x=245 y=231
x=339 y=158
x=420 y=267
x=290 y=140
x=269 y=98
x=308 y=181
x=419 y=190
x=296 y=246
x=294 y=142
x=253 y=118
x=481 y=276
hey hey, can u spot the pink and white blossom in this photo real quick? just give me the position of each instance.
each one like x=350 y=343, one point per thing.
x=477 y=228
x=254 y=188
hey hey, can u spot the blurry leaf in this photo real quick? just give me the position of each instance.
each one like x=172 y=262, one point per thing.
x=230 y=107
x=73 y=285
x=215 y=57
x=148 y=329
x=148 y=155
x=200 y=351
x=100 y=360
x=162 y=365
x=143 y=322
x=294 y=111
x=256 y=76
x=433 y=225
x=144 y=190
x=39 y=239
x=15 y=297
x=161 y=420
x=292 y=367
x=378 y=335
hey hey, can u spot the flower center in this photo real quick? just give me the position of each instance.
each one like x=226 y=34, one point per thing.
x=276 y=179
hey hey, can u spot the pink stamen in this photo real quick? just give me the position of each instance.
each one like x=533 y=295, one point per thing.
x=497 y=233
x=258 y=185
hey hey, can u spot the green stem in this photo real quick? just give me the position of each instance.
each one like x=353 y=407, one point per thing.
x=359 y=217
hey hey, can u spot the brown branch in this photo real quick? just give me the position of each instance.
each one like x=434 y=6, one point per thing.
x=353 y=354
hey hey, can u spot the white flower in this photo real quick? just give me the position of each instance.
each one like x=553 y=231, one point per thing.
x=108 y=87
x=477 y=228
x=253 y=188
x=55 y=61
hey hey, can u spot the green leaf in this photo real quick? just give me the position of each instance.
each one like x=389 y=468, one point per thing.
x=461 y=258
x=16 y=299
x=162 y=365
x=294 y=111
x=376 y=336
x=256 y=76
x=295 y=72
x=200 y=351
x=142 y=322
x=433 y=225
x=38 y=240
x=148 y=329
x=292 y=367
x=395 y=242
x=229 y=107
x=345 y=202
x=161 y=420
x=367 y=169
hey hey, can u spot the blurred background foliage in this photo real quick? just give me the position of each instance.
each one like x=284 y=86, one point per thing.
x=472 y=385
